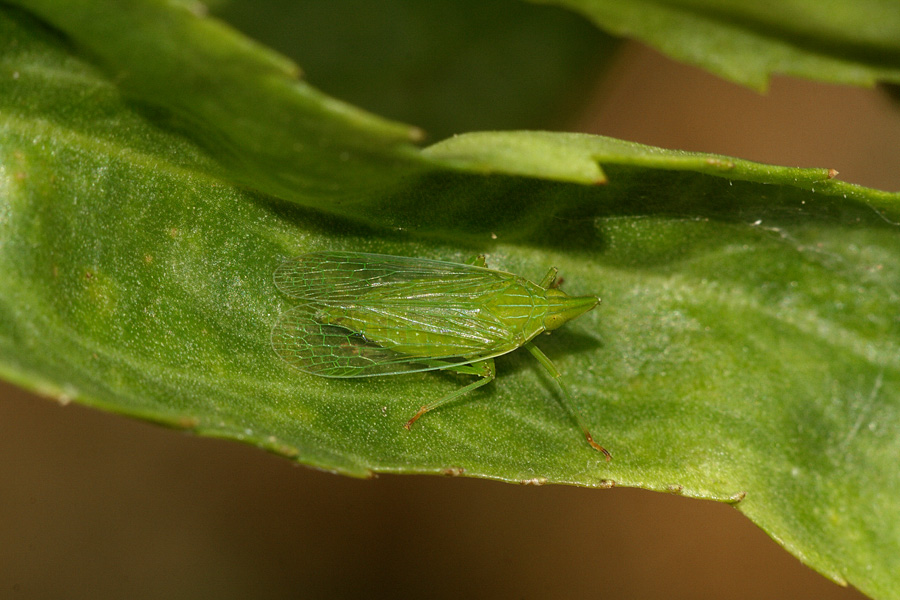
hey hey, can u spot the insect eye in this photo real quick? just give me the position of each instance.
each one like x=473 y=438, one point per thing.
x=553 y=321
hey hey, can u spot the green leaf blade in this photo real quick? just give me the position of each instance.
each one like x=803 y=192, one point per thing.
x=746 y=349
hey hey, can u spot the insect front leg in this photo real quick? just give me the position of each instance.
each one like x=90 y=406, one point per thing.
x=478 y=261
x=549 y=280
x=483 y=369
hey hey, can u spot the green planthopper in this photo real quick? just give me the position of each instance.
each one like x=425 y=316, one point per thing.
x=363 y=315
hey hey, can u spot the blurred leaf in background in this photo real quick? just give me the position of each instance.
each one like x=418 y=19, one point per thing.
x=838 y=41
x=448 y=66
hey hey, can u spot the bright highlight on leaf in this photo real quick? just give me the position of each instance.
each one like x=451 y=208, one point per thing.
x=370 y=314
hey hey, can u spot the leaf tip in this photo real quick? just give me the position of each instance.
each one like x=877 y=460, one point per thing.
x=416 y=134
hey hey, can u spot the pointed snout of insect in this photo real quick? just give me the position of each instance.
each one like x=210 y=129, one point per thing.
x=577 y=306
x=565 y=308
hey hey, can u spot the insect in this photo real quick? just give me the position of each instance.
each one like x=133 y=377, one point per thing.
x=363 y=315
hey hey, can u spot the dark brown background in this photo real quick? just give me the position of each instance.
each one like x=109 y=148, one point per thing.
x=98 y=506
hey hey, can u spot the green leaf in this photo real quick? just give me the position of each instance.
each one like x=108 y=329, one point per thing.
x=747 y=349
x=854 y=42
x=240 y=102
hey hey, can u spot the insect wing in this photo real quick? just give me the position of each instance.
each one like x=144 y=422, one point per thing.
x=348 y=277
x=396 y=295
x=304 y=342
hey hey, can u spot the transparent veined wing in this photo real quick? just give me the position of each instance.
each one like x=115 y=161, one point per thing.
x=306 y=343
x=369 y=314
x=341 y=277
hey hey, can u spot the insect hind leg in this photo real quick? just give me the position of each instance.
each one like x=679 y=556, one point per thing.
x=483 y=369
x=567 y=399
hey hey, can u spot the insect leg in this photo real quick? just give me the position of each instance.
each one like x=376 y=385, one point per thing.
x=478 y=261
x=542 y=358
x=484 y=369
x=549 y=280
